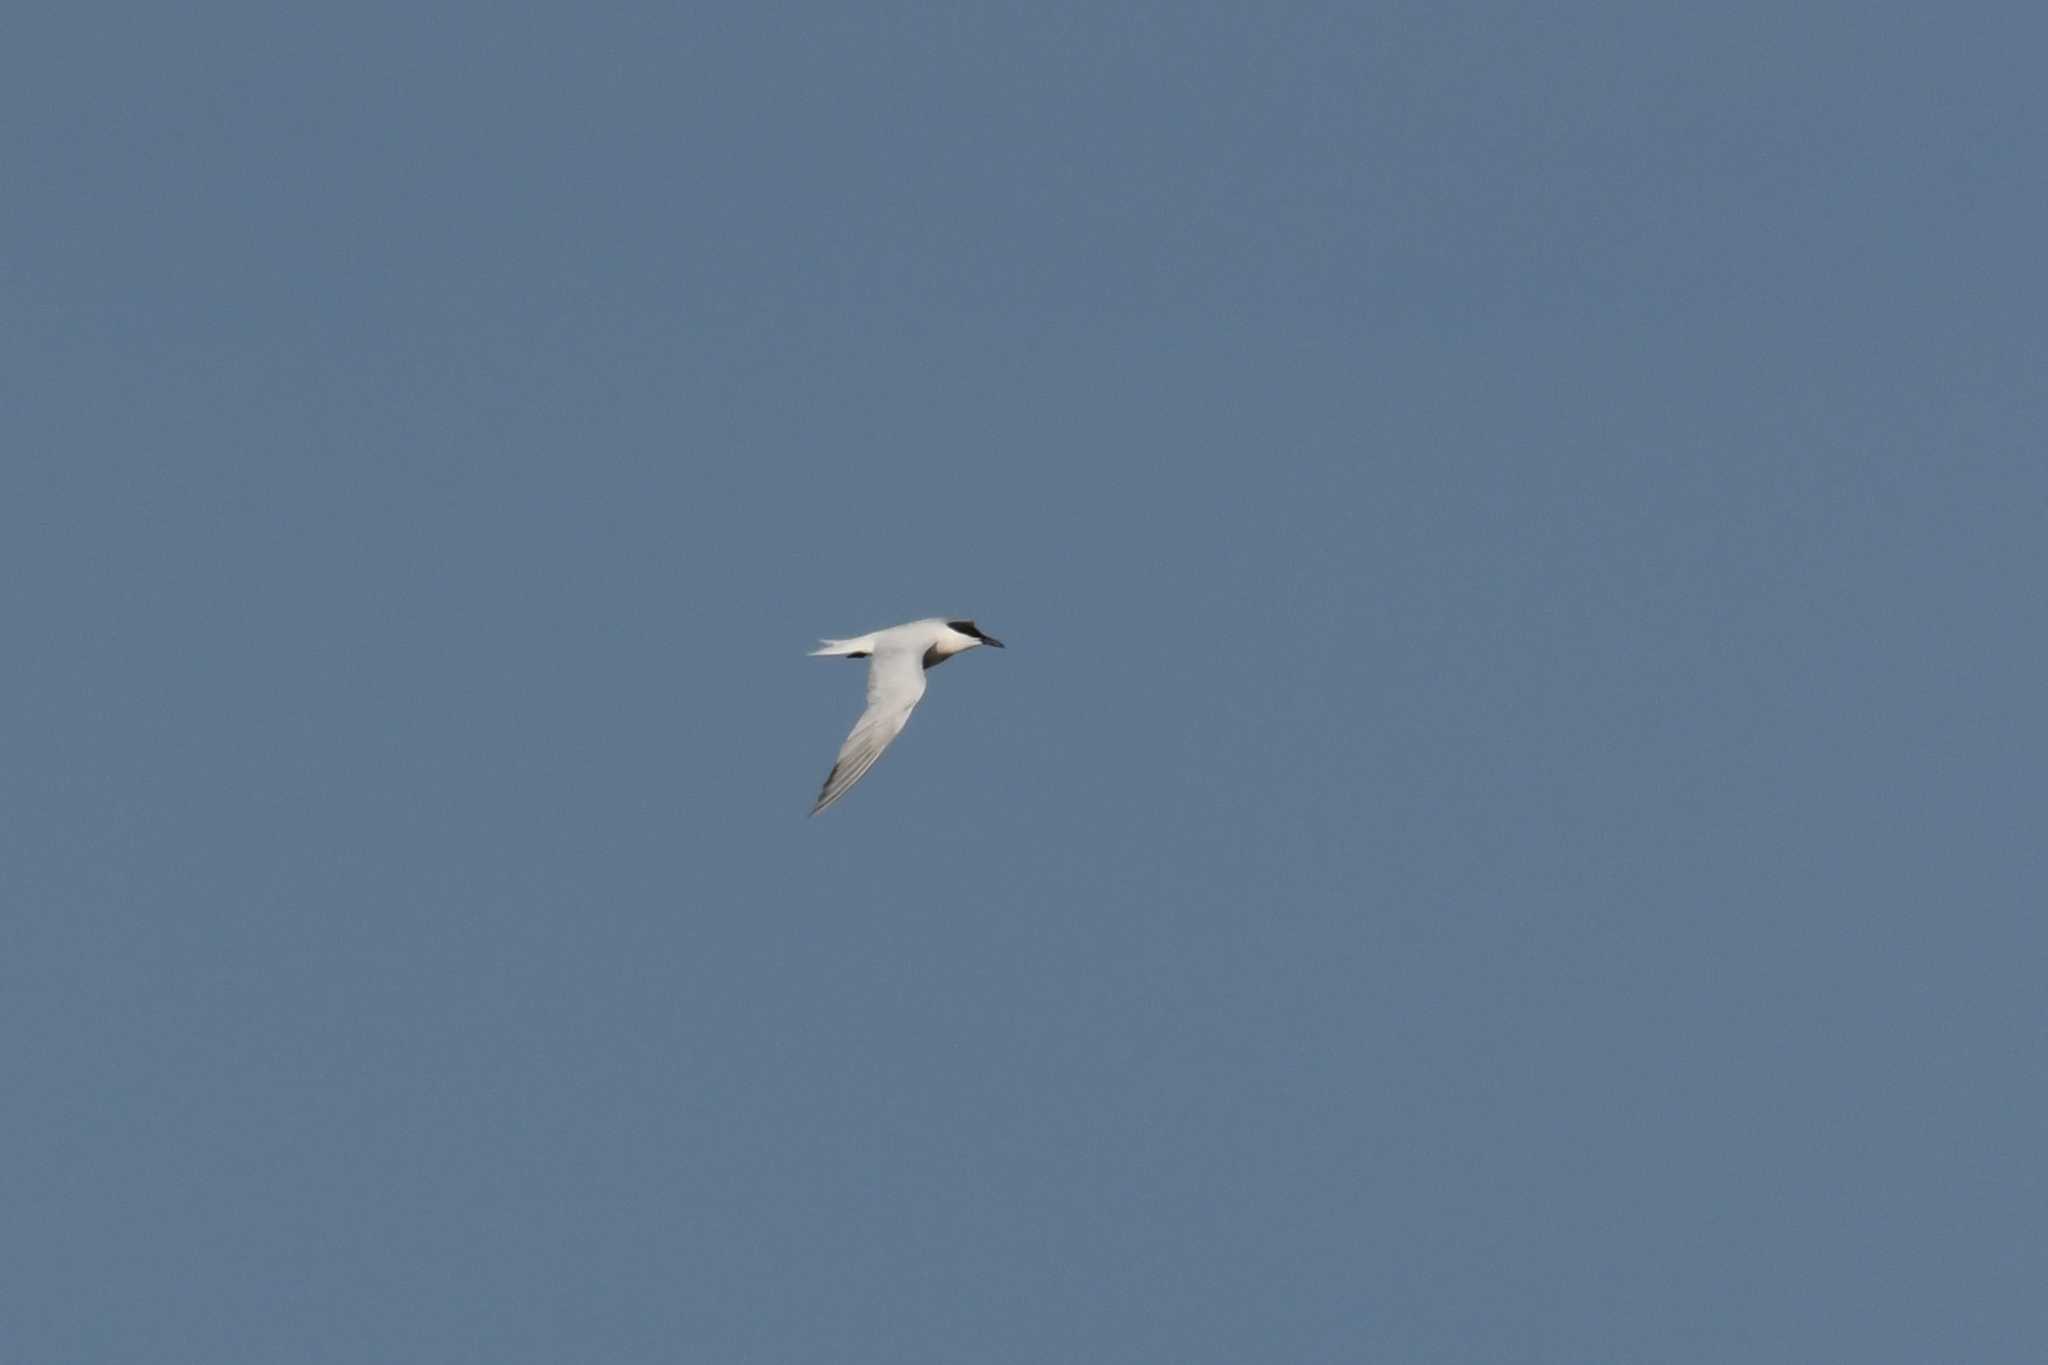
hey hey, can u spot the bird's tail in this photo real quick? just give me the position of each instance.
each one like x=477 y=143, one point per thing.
x=853 y=649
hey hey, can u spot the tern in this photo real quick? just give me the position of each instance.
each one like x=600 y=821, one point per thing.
x=898 y=659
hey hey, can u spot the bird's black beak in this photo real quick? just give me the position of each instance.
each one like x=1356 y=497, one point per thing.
x=992 y=640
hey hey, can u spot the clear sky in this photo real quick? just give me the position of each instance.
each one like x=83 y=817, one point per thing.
x=1509 y=828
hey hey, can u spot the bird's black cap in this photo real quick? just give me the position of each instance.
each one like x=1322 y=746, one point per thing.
x=969 y=628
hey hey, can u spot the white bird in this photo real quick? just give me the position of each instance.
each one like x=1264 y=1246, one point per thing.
x=900 y=655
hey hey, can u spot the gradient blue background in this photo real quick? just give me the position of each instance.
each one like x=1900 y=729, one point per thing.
x=1509 y=828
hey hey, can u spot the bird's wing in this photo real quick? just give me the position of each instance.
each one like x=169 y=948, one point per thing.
x=895 y=683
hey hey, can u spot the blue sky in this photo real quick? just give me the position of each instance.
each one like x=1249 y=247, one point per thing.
x=1508 y=828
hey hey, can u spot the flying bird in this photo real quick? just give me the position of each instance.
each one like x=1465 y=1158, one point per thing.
x=898 y=659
